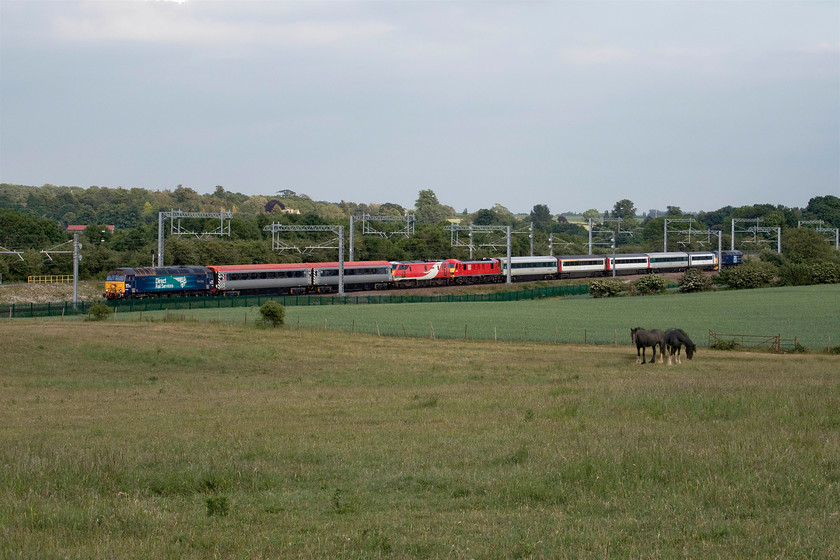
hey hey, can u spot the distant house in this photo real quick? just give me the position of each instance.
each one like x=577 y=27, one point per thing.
x=83 y=228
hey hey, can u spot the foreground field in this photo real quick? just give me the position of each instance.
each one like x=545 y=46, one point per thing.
x=193 y=440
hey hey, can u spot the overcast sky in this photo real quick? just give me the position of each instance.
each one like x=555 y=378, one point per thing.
x=574 y=105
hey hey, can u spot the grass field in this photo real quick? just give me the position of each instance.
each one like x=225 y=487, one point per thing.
x=197 y=440
x=810 y=314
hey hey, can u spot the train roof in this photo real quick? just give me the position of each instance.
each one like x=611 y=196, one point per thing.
x=576 y=257
x=526 y=258
x=257 y=267
x=351 y=264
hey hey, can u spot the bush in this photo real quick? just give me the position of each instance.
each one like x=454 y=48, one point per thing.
x=694 y=281
x=751 y=274
x=651 y=284
x=724 y=345
x=795 y=275
x=272 y=314
x=99 y=312
x=825 y=273
x=603 y=287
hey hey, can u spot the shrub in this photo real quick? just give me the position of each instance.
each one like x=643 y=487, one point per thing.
x=724 y=345
x=825 y=273
x=694 y=281
x=795 y=275
x=651 y=284
x=272 y=314
x=99 y=312
x=604 y=287
x=751 y=274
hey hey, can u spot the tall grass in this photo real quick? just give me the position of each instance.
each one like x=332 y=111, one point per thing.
x=195 y=440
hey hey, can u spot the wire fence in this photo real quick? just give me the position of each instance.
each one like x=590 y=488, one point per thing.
x=60 y=309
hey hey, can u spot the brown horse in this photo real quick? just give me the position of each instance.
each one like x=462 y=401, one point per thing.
x=643 y=338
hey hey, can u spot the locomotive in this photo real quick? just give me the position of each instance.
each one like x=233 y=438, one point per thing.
x=306 y=278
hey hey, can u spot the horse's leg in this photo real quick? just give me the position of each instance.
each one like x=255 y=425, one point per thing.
x=661 y=354
x=670 y=350
x=638 y=355
x=679 y=350
x=643 y=354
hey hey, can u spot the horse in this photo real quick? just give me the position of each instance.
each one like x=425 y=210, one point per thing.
x=643 y=338
x=675 y=339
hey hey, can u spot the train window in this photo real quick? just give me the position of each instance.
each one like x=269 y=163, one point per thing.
x=254 y=276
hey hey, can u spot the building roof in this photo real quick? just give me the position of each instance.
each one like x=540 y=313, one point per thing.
x=78 y=227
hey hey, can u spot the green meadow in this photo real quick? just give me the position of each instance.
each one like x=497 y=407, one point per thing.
x=205 y=439
x=811 y=314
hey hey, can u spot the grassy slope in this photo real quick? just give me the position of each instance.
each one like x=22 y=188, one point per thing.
x=340 y=446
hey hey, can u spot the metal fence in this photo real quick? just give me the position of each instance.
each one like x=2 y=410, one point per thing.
x=773 y=342
x=160 y=304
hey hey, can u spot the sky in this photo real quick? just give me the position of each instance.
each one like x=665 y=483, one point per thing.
x=570 y=104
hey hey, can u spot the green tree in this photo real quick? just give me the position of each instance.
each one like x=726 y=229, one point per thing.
x=428 y=209
x=825 y=208
x=624 y=209
x=592 y=214
x=485 y=217
x=542 y=218
x=804 y=245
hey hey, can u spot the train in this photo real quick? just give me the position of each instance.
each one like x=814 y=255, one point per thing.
x=321 y=278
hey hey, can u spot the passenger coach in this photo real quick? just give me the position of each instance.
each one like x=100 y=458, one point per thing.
x=285 y=278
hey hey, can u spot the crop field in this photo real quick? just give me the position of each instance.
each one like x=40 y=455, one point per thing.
x=187 y=439
x=810 y=314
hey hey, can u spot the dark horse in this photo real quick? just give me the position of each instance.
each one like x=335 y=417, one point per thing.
x=676 y=339
x=643 y=338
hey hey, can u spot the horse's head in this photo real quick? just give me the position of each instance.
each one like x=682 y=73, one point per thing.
x=633 y=334
x=689 y=350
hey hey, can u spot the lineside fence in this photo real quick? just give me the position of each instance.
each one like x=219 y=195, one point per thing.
x=50 y=279
x=31 y=310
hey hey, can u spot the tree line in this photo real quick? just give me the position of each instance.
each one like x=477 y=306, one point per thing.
x=33 y=219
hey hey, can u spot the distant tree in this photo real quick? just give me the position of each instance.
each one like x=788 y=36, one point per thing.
x=674 y=211
x=716 y=219
x=286 y=193
x=485 y=217
x=186 y=199
x=624 y=209
x=825 y=208
x=505 y=215
x=391 y=209
x=428 y=209
x=542 y=218
x=592 y=214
